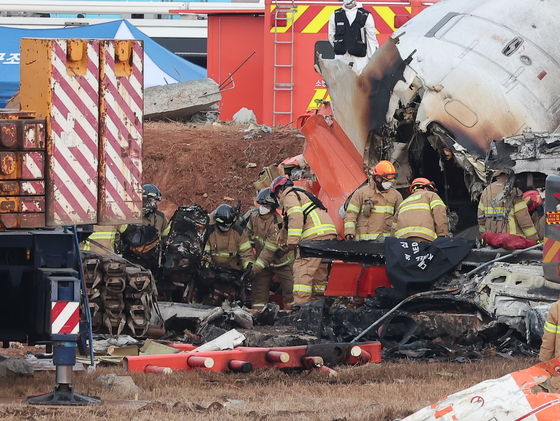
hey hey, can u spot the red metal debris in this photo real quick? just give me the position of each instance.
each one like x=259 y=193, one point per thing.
x=245 y=359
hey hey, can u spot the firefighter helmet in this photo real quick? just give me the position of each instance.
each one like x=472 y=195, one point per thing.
x=224 y=216
x=279 y=183
x=421 y=183
x=385 y=170
x=151 y=190
x=265 y=198
x=533 y=199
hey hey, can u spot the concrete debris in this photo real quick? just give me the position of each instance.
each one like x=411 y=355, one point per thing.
x=46 y=364
x=206 y=117
x=179 y=101
x=101 y=343
x=244 y=116
x=15 y=367
x=254 y=131
x=121 y=387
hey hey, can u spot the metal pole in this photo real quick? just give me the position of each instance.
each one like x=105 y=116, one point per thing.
x=499 y=259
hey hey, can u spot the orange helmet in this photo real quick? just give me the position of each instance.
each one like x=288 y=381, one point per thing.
x=421 y=182
x=385 y=170
x=533 y=199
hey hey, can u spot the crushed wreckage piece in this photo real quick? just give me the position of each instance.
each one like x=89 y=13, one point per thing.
x=295 y=357
x=516 y=396
x=507 y=292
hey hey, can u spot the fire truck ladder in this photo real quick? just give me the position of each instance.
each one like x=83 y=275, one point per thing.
x=284 y=15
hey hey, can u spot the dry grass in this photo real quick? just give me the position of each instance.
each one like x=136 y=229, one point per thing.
x=381 y=392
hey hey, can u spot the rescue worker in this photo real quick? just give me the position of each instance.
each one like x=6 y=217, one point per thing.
x=264 y=227
x=502 y=209
x=230 y=258
x=422 y=216
x=104 y=237
x=352 y=34
x=305 y=218
x=371 y=209
x=535 y=205
x=142 y=243
x=550 y=347
x=228 y=245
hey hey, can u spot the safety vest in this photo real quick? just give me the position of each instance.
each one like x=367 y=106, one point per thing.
x=348 y=38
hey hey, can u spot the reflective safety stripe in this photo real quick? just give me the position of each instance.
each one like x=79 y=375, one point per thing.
x=245 y=246
x=370 y=236
x=410 y=199
x=294 y=232
x=286 y=261
x=491 y=210
x=245 y=264
x=352 y=208
x=294 y=209
x=269 y=245
x=103 y=235
x=552 y=328
x=85 y=246
x=260 y=263
x=435 y=203
x=529 y=232
x=223 y=254
x=414 y=206
x=258 y=305
x=416 y=230
x=383 y=209
x=319 y=288
x=322 y=229
x=303 y=288
x=165 y=232
x=349 y=224
x=519 y=207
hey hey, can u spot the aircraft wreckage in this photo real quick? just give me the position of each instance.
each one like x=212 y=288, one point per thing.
x=459 y=89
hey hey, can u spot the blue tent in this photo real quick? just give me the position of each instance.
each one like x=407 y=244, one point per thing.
x=161 y=66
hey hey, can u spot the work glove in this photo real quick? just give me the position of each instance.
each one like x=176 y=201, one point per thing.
x=349 y=236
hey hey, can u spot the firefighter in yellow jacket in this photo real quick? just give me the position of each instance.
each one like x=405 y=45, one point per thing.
x=371 y=209
x=422 y=216
x=503 y=210
x=228 y=246
x=264 y=228
x=305 y=219
x=550 y=347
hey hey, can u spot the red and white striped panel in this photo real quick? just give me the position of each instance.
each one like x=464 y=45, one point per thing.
x=65 y=318
x=121 y=131
x=33 y=166
x=74 y=119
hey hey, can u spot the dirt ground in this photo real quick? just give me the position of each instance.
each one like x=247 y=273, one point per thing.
x=211 y=164
x=376 y=392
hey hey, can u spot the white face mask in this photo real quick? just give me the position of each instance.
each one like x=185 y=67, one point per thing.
x=349 y=3
x=263 y=210
x=386 y=185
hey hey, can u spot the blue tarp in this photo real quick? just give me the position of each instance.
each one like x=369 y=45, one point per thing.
x=161 y=66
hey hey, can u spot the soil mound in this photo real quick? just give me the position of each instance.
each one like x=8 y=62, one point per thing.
x=211 y=164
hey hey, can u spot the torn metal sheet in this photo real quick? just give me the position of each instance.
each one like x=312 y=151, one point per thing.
x=446 y=85
x=516 y=396
x=507 y=292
